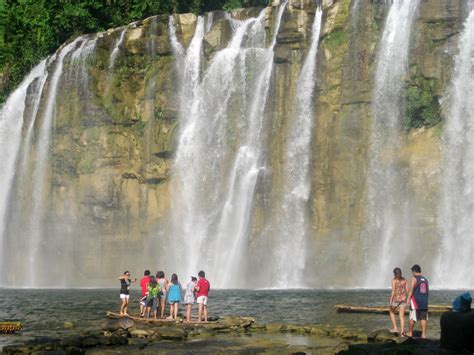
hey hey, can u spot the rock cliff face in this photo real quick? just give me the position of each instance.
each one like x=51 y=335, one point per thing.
x=107 y=204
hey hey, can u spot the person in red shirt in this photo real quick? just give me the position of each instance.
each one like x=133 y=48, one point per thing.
x=202 y=288
x=144 y=286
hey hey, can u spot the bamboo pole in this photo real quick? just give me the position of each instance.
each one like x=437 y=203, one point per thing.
x=344 y=308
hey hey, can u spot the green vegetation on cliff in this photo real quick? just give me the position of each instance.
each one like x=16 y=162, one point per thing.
x=32 y=29
x=422 y=108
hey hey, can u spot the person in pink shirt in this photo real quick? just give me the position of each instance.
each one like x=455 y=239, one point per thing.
x=144 y=286
x=202 y=288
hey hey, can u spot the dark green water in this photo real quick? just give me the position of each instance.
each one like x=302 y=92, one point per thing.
x=43 y=312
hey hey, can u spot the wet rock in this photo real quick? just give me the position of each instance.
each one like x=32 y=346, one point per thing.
x=113 y=340
x=90 y=341
x=258 y=327
x=68 y=325
x=122 y=333
x=383 y=336
x=111 y=325
x=237 y=321
x=141 y=333
x=171 y=333
x=74 y=341
x=126 y=323
x=275 y=327
x=202 y=332
x=219 y=35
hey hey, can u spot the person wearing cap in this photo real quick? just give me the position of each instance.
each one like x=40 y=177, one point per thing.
x=189 y=297
x=202 y=287
x=418 y=300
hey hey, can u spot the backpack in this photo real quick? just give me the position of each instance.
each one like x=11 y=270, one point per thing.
x=462 y=303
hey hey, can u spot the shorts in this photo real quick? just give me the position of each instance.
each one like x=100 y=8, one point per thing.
x=418 y=314
x=396 y=304
x=143 y=301
x=123 y=296
x=202 y=300
x=152 y=303
x=173 y=302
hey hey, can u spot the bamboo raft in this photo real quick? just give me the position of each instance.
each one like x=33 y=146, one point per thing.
x=344 y=308
x=10 y=327
x=114 y=315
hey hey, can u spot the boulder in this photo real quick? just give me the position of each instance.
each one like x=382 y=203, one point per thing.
x=383 y=336
x=111 y=325
x=126 y=323
x=90 y=341
x=457 y=331
x=141 y=333
x=171 y=333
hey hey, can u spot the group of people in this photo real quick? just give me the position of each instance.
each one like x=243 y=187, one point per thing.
x=157 y=290
x=415 y=296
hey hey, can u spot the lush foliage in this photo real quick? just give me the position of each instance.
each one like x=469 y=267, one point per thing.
x=32 y=29
x=422 y=108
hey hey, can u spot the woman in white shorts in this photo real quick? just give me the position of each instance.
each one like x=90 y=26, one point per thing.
x=125 y=282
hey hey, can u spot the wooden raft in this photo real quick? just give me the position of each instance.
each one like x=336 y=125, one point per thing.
x=10 y=327
x=345 y=308
x=151 y=320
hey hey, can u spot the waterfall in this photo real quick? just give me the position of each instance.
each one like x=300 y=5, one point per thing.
x=116 y=48
x=457 y=203
x=216 y=172
x=40 y=172
x=11 y=122
x=291 y=246
x=25 y=229
x=388 y=214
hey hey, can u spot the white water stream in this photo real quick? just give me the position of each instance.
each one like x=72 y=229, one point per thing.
x=11 y=122
x=457 y=204
x=216 y=172
x=388 y=209
x=291 y=246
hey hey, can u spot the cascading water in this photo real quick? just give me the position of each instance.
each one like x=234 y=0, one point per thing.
x=11 y=122
x=216 y=173
x=388 y=210
x=457 y=204
x=291 y=245
x=25 y=223
x=116 y=50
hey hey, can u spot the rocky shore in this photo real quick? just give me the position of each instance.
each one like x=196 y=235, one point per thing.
x=228 y=334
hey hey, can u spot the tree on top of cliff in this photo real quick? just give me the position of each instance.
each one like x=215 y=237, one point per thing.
x=32 y=29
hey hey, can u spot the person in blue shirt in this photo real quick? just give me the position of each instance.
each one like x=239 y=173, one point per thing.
x=174 y=296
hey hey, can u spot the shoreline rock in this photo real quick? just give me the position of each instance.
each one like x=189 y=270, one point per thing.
x=228 y=334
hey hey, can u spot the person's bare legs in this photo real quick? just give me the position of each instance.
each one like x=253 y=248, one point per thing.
x=162 y=306
x=394 y=321
x=147 y=312
x=205 y=313
x=155 y=312
x=171 y=311
x=200 y=312
x=176 y=305
x=423 y=328
x=188 y=312
x=125 y=308
x=122 y=306
x=412 y=325
x=401 y=313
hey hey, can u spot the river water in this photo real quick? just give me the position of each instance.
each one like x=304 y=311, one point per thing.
x=44 y=311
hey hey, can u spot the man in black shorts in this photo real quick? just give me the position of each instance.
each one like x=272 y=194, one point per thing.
x=418 y=300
